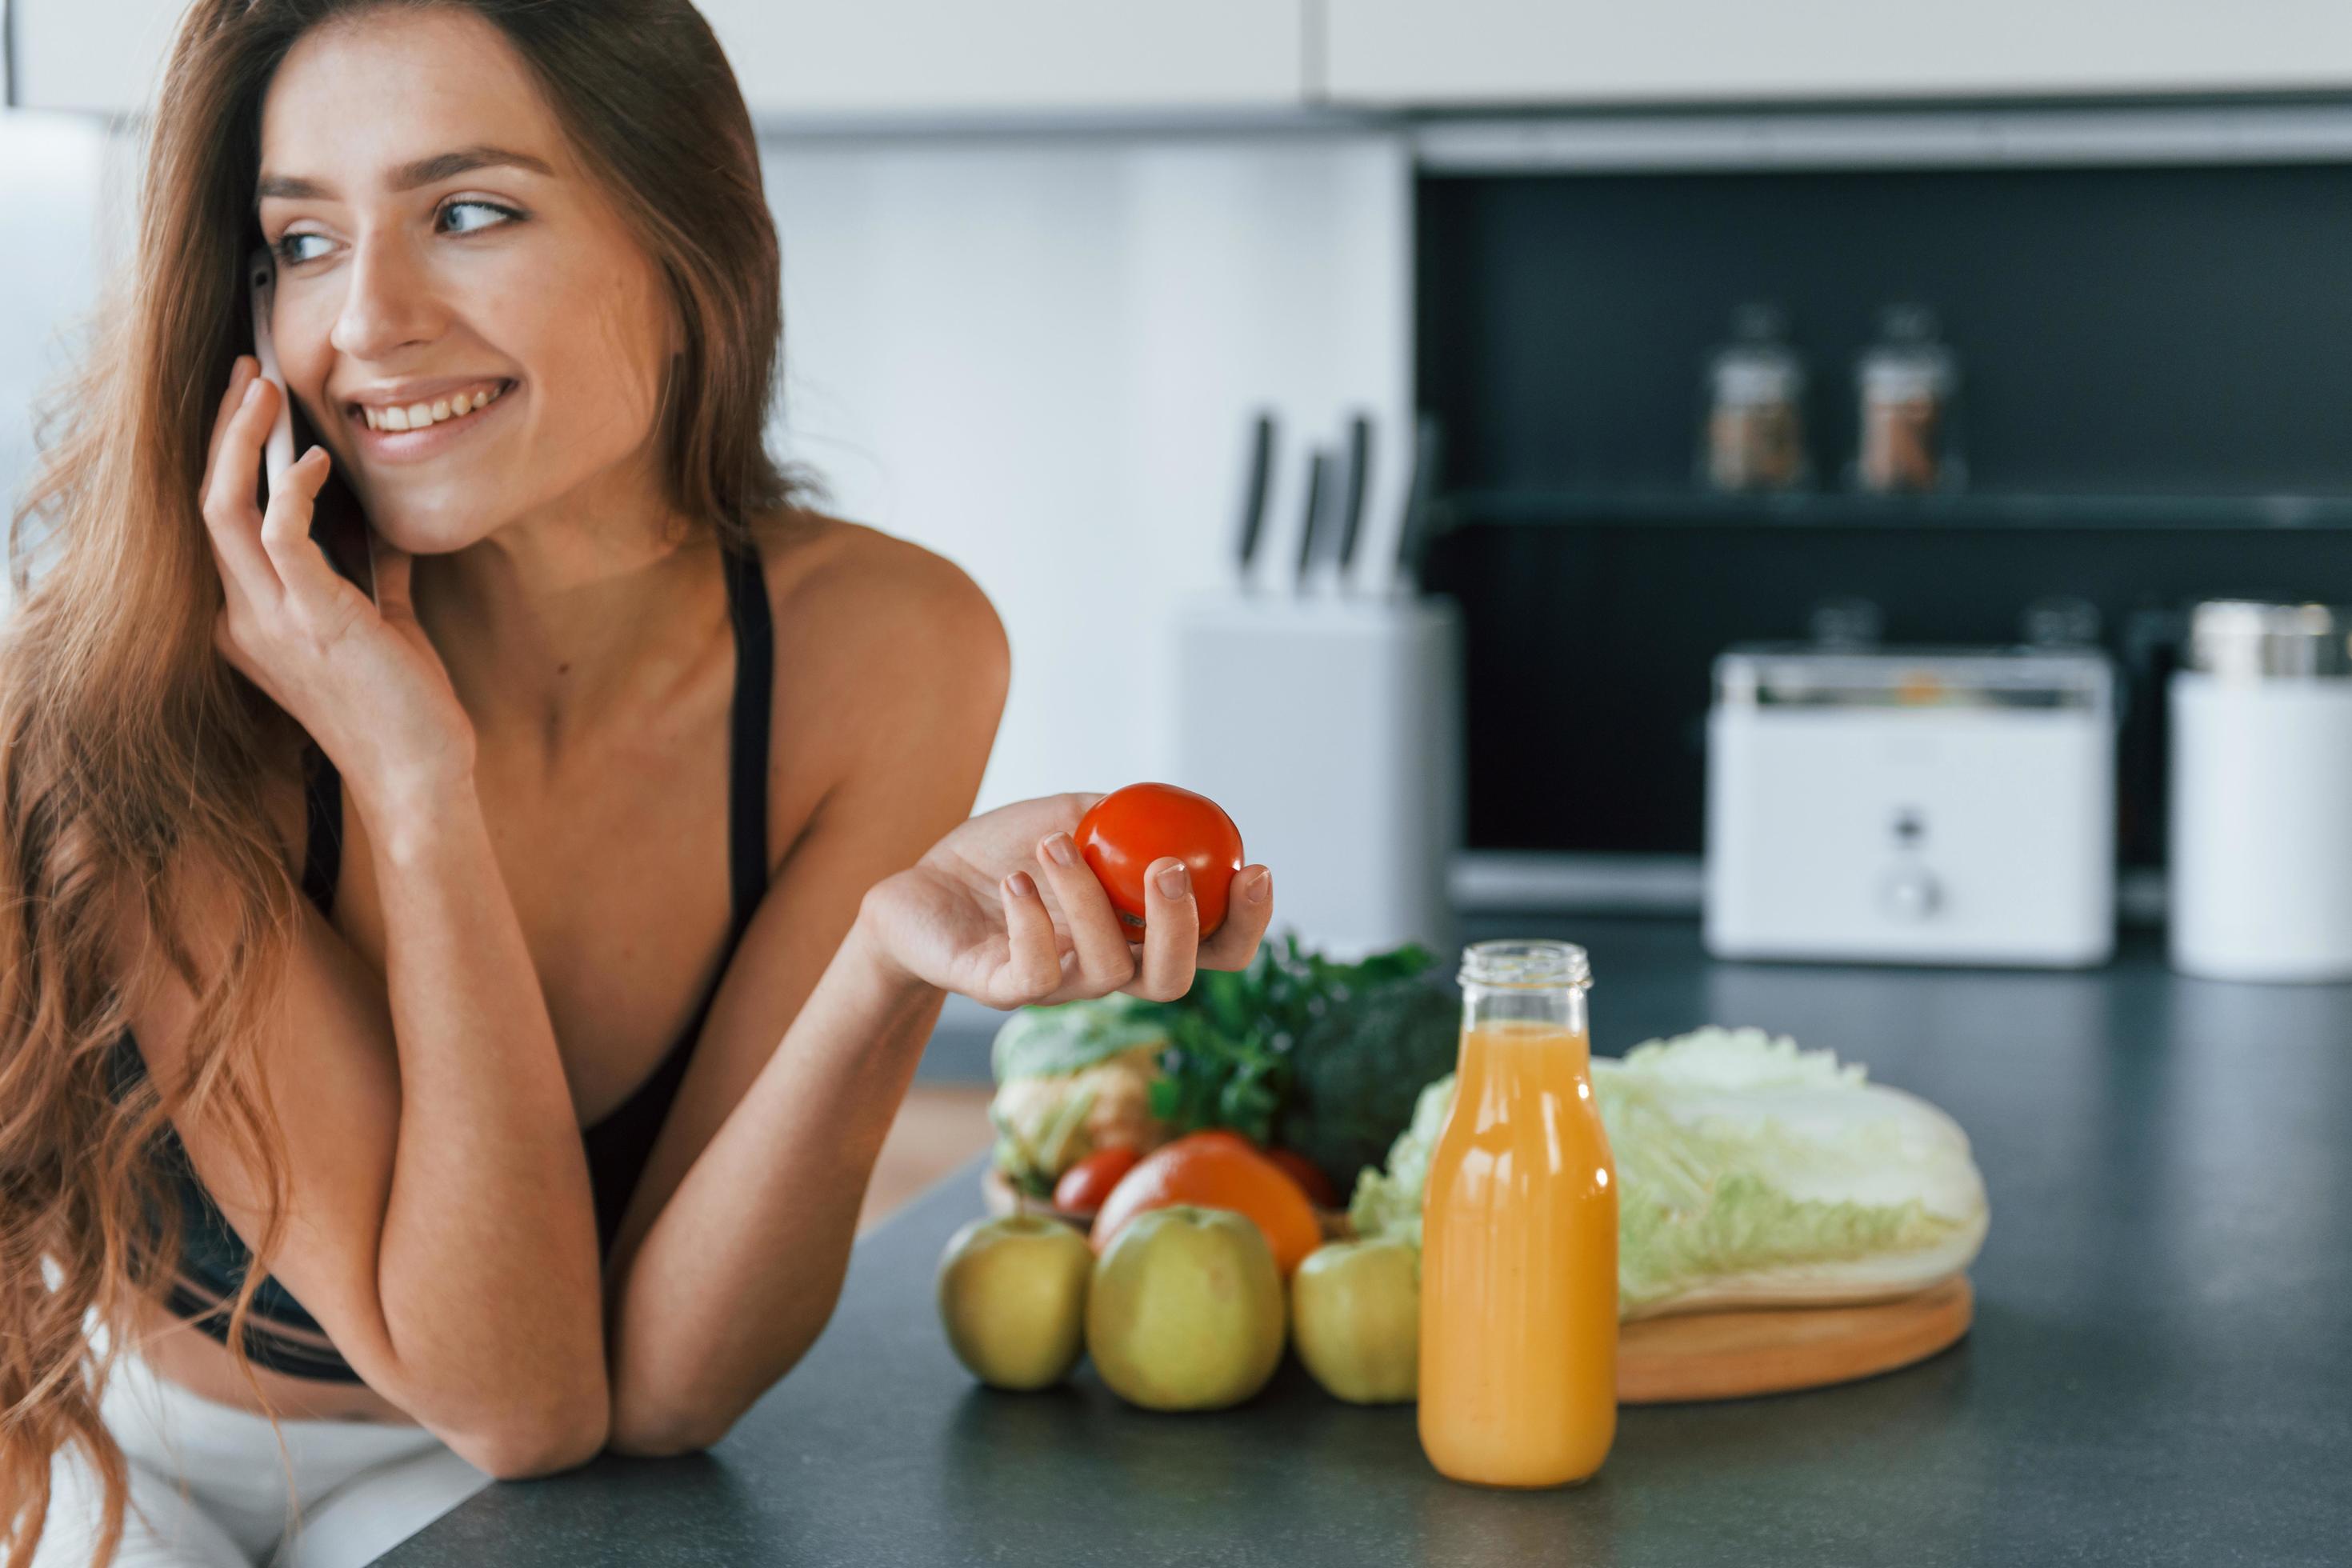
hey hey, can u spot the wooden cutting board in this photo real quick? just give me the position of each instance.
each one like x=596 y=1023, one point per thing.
x=1729 y=1355
x=1732 y=1355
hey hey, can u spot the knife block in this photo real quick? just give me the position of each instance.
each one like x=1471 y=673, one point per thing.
x=1330 y=730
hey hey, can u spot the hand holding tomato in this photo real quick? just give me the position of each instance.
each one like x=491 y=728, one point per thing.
x=995 y=911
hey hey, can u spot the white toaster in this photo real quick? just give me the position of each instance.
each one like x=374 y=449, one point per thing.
x=1927 y=805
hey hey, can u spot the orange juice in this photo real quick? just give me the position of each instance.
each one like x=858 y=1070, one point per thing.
x=1518 y=1271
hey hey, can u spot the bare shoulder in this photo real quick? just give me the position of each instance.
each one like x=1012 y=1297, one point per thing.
x=877 y=639
x=850 y=598
x=845 y=578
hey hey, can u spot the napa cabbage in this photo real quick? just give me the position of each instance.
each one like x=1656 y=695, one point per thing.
x=1749 y=1172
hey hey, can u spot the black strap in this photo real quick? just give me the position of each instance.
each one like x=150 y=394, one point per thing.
x=322 y=854
x=747 y=760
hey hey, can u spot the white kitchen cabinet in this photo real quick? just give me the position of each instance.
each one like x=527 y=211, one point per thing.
x=918 y=58
x=101 y=55
x=1540 y=52
x=905 y=60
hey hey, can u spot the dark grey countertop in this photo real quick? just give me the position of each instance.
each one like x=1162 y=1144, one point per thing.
x=2160 y=1370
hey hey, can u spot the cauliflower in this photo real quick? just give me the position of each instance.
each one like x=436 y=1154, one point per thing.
x=1047 y=1124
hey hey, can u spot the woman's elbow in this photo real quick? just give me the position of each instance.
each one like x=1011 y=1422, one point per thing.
x=542 y=1448
x=669 y=1434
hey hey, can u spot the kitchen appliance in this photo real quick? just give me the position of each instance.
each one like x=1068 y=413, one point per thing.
x=1922 y=805
x=2260 y=823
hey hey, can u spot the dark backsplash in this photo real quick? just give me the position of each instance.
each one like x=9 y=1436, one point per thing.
x=2121 y=332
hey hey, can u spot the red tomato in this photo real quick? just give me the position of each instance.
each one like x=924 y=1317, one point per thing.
x=1308 y=1175
x=1129 y=828
x=1085 y=1184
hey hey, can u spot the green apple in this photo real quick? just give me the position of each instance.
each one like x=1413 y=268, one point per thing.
x=1355 y=1316
x=1186 y=1310
x=1012 y=1299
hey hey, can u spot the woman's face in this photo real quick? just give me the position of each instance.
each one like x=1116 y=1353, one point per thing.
x=436 y=241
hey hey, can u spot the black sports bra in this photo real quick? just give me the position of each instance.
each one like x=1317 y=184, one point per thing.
x=279 y=1333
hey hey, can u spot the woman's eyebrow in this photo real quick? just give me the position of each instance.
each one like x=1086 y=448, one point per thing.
x=407 y=176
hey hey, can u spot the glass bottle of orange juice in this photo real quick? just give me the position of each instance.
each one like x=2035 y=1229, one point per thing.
x=1518 y=1263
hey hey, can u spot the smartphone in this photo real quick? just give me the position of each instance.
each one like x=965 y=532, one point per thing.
x=336 y=521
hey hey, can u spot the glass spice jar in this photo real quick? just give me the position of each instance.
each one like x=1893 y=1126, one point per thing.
x=1908 y=382
x=1754 y=436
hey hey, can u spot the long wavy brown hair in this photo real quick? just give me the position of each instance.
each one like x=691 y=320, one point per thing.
x=133 y=758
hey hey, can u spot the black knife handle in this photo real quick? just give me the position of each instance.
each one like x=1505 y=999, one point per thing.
x=1319 y=470
x=1360 y=468
x=1421 y=492
x=1261 y=473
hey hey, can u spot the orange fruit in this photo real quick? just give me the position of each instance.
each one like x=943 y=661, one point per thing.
x=1219 y=1171
x=1226 y=1135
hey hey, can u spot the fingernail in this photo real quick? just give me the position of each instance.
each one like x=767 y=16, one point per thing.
x=252 y=390
x=1261 y=887
x=1063 y=852
x=1022 y=887
x=1173 y=880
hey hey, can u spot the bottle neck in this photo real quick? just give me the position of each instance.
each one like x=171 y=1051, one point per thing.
x=1547 y=1020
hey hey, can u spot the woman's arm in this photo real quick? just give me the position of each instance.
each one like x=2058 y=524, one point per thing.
x=739 y=1275
x=487 y=1265
x=736 y=1240
x=740 y=1270
x=438 y=1224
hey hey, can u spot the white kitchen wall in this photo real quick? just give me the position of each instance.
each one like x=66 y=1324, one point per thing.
x=1037 y=357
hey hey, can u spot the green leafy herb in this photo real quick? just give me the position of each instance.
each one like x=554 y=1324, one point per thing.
x=1229 y=1061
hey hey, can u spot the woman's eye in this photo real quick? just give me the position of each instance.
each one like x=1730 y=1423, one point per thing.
x=287 y=253
x=504 y=212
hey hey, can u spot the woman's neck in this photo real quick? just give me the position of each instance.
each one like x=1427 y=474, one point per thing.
x=550 y=627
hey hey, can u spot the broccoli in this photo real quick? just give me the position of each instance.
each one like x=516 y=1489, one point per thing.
x=1356 y=1069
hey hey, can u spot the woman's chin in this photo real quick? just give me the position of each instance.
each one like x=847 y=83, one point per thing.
x=429 y=535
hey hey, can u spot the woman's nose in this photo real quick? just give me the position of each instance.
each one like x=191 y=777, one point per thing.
x=388 y=301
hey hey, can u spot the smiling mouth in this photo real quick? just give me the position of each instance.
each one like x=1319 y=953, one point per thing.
x=426 y=414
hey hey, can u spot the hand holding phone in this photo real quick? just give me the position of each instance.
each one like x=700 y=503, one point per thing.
x=368 y=686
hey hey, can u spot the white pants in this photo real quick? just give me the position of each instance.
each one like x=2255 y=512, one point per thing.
x=208 y=1487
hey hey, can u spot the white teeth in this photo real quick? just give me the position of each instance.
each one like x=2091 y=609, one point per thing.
x=417 y=416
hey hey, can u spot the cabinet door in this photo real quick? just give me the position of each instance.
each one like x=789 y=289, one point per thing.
x=1606 y=51
x=916 y=57
x=101 y=55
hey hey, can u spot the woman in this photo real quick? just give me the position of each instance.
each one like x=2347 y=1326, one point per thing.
x=444 y=1020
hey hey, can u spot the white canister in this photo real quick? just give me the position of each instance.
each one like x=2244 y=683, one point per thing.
x=2261 y=820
